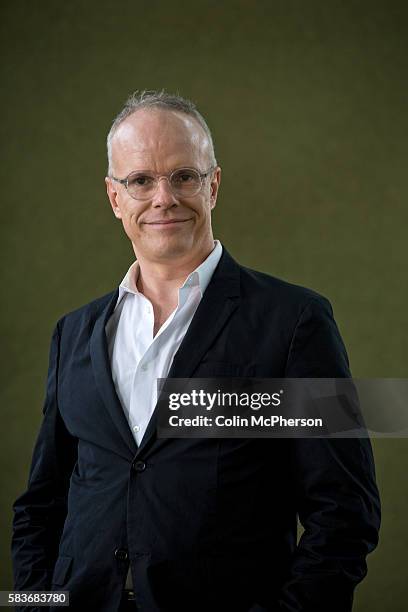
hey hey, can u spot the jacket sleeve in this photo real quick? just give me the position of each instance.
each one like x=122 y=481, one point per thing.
x=337 y=497
x=39 y=513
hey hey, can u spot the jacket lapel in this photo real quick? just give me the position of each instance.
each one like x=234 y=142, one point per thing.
x=219 y=301
x=103 y=374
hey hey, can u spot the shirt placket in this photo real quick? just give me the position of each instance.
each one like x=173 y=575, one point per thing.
x=143 y=388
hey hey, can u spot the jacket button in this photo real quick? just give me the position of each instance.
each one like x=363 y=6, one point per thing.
x=139 y=466
x=121 y=554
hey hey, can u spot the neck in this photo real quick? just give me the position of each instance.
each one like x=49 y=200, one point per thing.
x=159 y=281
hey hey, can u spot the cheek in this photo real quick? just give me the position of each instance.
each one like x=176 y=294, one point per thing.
x=202 y=208
x=130 y=214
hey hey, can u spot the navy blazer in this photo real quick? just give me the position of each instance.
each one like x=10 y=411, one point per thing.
x=205 y=524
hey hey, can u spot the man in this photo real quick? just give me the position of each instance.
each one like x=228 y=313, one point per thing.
x=124 y=520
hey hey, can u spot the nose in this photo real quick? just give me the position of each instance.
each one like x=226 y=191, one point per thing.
x=164 y=196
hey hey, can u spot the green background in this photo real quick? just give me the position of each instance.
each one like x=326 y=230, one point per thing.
x=307 y=102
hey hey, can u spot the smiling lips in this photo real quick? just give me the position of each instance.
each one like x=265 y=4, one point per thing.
x=166 y=222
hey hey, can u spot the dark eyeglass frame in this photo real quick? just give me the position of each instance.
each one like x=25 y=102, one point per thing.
x=158 y=177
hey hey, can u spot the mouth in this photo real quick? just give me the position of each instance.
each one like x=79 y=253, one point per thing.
x=166 y=222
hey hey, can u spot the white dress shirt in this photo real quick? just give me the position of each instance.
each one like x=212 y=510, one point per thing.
x=137 y=358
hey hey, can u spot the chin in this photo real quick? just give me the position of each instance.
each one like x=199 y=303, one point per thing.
x=169 y=248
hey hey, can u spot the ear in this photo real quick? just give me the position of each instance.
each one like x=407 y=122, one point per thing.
x=214 y=186
x=113 y=196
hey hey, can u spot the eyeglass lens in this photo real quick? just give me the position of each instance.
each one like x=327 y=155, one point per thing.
x=183 y=182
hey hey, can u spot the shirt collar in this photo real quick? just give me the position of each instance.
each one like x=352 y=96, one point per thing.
x=200 y=277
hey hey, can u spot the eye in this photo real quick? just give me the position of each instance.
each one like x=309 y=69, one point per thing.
x=185 y=176
x=140 y=180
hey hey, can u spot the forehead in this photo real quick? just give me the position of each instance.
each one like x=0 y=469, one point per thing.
x=160 y=140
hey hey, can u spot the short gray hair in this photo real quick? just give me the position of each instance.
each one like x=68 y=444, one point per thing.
x=158 y=99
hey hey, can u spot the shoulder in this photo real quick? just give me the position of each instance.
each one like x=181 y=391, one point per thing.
x=303 y=319
x=273 y=292
x=85 y=314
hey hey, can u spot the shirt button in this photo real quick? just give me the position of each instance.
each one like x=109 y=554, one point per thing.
x=121 y=554
x=139 y=466
x=144 y=367
x=136 y=428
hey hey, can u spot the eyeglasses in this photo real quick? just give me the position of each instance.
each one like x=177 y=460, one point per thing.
x=184 y=182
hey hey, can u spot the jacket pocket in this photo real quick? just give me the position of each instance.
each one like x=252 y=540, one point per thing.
x=61 y=569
